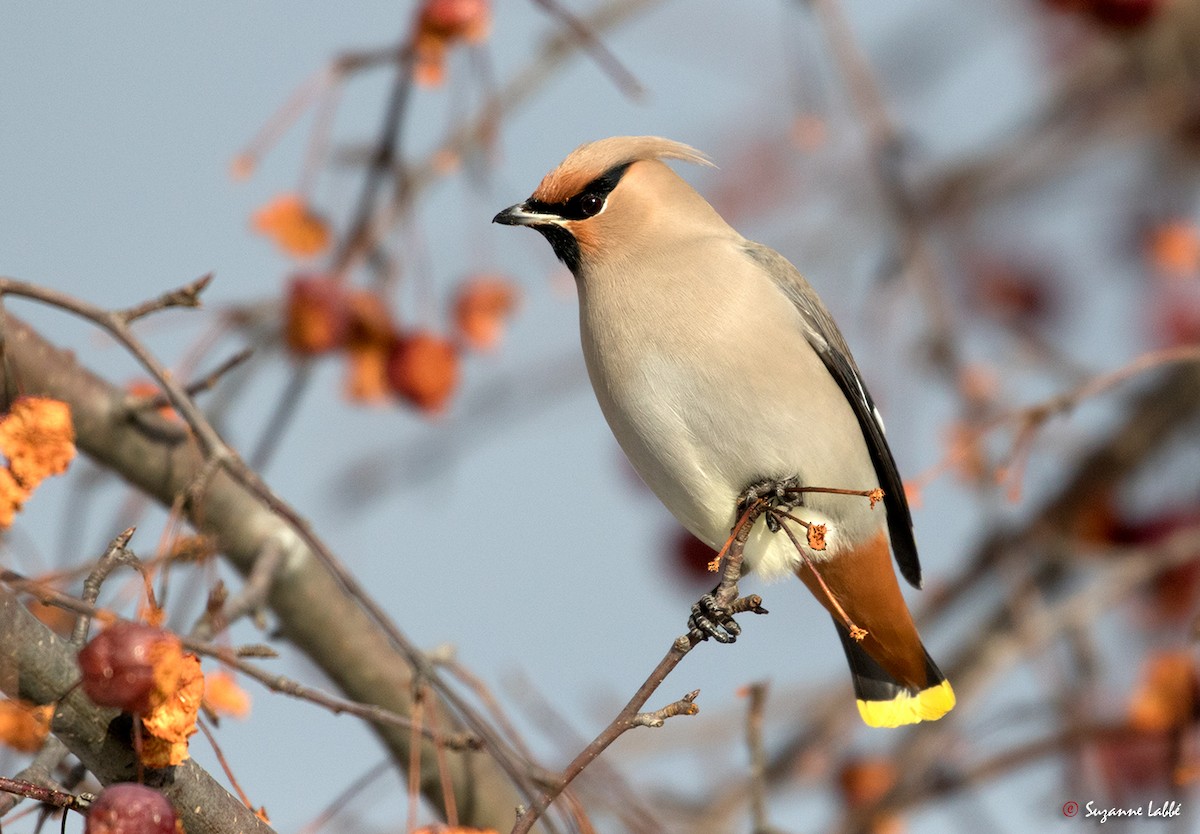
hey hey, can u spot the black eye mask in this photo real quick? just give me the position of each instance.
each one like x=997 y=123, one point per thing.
x=588 y=202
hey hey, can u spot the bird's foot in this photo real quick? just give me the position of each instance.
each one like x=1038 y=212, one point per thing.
x=779 y=493
x=711 y=619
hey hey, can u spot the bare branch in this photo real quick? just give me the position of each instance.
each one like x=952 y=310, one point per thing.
x=630 y=715
x=46 y=668
x=115 y=556
x=684 y=706
x=186 y=296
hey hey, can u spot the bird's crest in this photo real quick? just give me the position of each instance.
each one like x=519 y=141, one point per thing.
x=587 y=162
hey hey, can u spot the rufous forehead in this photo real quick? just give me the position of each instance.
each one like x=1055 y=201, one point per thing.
x=563 y=183
x=590 y=161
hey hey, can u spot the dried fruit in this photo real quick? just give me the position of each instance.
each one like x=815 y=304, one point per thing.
x=1012 y=291
x=173 y=720
x=481 y=309
x=12 y=498
x=317 y=315
x=147 y=389
x=38 y=439
x=294 y=227
x=691 y=557
x=1174 y=248
x=423 y=368
x=1167 y=696
x=223 y=695
x=24 y=726
x=1123 y=14
x=865 y=781
x=1117 y=14
x=368 y=347
x=127 y=808
x=442 y=23
x=1175 y=315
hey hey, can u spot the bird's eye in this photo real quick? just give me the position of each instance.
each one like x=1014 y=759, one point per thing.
x=590 y=204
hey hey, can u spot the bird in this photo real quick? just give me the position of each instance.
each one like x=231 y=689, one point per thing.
x=724 y=379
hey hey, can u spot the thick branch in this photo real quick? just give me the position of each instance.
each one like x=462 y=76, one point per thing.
x=315 y=612
x=39 y=666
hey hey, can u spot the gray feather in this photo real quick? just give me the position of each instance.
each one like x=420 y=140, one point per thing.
x=829 y=344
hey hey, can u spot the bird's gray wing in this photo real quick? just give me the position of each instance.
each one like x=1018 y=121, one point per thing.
x=829 y=344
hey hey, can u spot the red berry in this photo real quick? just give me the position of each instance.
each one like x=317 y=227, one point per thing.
x=317 y=315
x=454 y=18
x=127 y=808
x=691 y=558
x=1124 y=14
x=117 y=667
x=423 y=369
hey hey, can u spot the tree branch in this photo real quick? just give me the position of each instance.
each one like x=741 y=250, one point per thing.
x=314 y=609
x=39 y=666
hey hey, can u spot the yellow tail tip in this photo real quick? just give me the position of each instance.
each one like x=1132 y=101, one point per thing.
x=927 y=705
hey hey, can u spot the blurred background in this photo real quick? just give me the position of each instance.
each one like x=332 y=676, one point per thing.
x=997 y=200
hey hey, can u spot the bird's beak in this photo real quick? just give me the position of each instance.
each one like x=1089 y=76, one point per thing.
x=519 y=215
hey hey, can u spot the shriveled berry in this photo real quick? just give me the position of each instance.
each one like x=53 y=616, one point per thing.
x=117 y=666
x=423 y=369
x=316 y=315
x=127 y=808
x=1124 y=14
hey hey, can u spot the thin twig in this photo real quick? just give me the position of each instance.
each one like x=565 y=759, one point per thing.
x=343 y=799
x=874 y=496
x=235 y=658
x=684 y=706
x=186 y=296
x=224 y=763
x=47 y=796
x=358 y=241
x=756 y=699
x=199 y=386
x=414 y=759
x=732 y=554
x=630 y=715
x=625 y=80
x=885 y=147
x=114 y=557
x=336 y=705
x=38 y=772
x=856 y=631
x=218 y=455
x=251 y=598
x=285 y=409
x=439 y=752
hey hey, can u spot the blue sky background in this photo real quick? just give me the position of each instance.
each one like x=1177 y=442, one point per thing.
x=542 y=559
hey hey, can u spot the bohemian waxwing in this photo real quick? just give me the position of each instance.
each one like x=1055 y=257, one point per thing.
x=719 y=370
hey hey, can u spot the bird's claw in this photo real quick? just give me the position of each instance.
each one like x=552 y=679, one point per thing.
x=711 y=619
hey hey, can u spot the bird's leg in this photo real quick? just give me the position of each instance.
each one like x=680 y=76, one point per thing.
x=781 y=493
x=712 y=615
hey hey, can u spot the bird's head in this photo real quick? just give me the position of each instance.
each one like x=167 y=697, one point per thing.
x=609 y=195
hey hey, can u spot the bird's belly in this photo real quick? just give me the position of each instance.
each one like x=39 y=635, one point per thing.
x=698 y=444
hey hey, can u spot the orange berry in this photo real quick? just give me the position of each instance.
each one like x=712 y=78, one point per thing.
x=316 y=318
x=481 y=308
x=423 y=369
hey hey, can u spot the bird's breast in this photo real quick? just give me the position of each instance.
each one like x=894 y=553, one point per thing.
x=709 y=385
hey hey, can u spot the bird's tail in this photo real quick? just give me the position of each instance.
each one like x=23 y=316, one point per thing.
x=883 y=701
x=894 y=679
